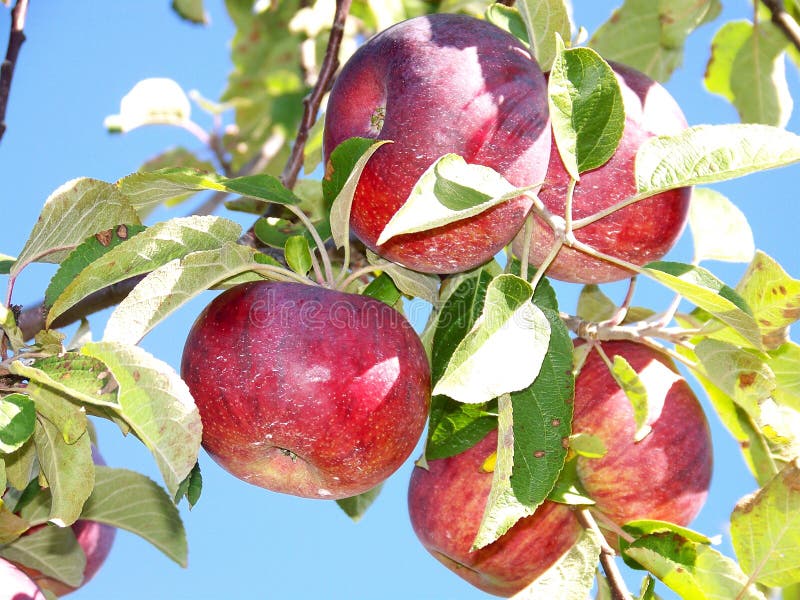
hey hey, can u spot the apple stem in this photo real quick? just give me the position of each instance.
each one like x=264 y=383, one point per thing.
x=614 y=208
x=526 y=246
x=280 y=274
x=619 y=591
x=323 y=252
x=317 y=269
x=342 y=285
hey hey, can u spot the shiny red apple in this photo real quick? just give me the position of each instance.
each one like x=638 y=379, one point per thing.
x=306 y=390
x=446 y=503
x=667 y=474
x=434 y=85
x=640 y=233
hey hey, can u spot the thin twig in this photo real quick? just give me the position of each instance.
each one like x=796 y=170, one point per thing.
x=619 y=591
x=312 y=102
x=784 y=21
x=16 y=37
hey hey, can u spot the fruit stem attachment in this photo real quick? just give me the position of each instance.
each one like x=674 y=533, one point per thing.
x=619 y=591
x=326 y=260
x=612 y=209
x=526 y=246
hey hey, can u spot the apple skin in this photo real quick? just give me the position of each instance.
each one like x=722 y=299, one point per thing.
x=640 y=233
x=16 y=585
x=446 y=504
x=666 y=475
x=434 y=85
x=305 y=390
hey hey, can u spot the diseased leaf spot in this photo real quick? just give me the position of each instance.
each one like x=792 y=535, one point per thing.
x=747 y=379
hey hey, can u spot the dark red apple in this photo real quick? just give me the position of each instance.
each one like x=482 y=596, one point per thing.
x=435 y=85
x=664 y=476
x=306 y=390
x=640 y=233
x=16 y=585
x=446 y=505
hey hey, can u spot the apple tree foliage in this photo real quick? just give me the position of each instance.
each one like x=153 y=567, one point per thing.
x=499 y=342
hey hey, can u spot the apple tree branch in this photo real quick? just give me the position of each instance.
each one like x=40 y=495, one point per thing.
x=784 y=21
x=16 y=37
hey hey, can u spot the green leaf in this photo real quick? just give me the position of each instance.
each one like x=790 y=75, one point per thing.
x=784 y=362
x=191 y=487
x=342 y=173
x=504 y=350
x=11 y=525
x=262 y=186
x=157 y=404
x=586 y=109
x=509 y=19
x=649 y=34
x=449 y=190
x=6 y=262
x=298 y=254
x=571 y=576
x=765 y=530
x=19 y=466
x=69 y=470
x=690 y=567
x=172 y=285
x=588 y=445
x=191 y=10
x=411 y=283
x=72 y=213
x=743 y=376
x=542 y=419
x=274 y=232
x=710 y=153
x=54 y=405
x=773 y=296
x=594 y=305
x=383 y=288
x=455 y=426
x=568 y=488
x=147 y=251
x=700 y=287
x=152 y=101
x=17 y=420
x=719 y=229
x=628 y=381
x=134 y=502
x=456 y=318
x=90 y=250
x=53 y=551
x=10 y=328
x=147 y=190
x=355 y=506
x=502 y=507
x=545 y=19
x=747 y=66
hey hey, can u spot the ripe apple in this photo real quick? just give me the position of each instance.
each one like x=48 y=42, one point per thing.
x=16 y=585
x=306 y=390
x=440 y=84
x=640 y=233
x=664 y=476
x=446 y=505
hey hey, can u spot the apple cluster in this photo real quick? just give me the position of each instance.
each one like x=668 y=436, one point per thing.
x=319 y=393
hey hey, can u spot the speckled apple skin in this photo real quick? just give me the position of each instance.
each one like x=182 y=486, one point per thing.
x=640 y=233
x=446 y=504
x=448 y=84
x=16 y=585
x=665 y=476
x=305 y=390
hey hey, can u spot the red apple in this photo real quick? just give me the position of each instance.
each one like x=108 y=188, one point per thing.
x=306 y=390
x=664 y=476
x=446 y=505
x=16 y=585
x=441 y=84
x=640 y=233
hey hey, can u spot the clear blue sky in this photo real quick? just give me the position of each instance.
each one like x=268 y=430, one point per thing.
x=79 y=60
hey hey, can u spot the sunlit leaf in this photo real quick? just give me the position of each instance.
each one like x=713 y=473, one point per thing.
x=594 y=305
x=586 y=109
x=503 y=352
x=54 y=551
x=191 y=10
x=449 y=190
x=784 y=362
x=298 y=254
x=153 y=101
x=719 y=228
x=17 y=420
x=411 y=283
x=157 y=404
